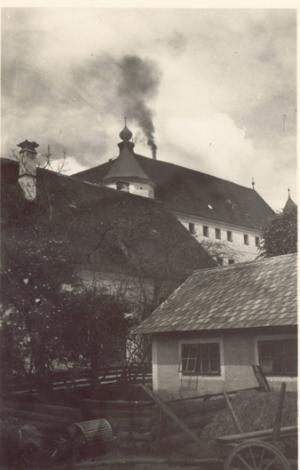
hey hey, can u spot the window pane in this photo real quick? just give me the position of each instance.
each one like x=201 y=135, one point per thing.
x=229 y=235
x=209 y=359
x=200 y=359
x=218 y=233
x=246 y=239
x=192 y=228
x=189 y=358
x=278 y=357
x=205 y=231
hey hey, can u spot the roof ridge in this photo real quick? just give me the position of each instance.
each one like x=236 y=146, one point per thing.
x=196 y=171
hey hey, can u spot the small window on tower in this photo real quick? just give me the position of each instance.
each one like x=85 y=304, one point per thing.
x=218 y=233
x=122 y=186
x=192 y=228
x=246 y=239
x=205 y=231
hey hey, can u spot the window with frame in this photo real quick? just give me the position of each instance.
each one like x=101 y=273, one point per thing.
x=257 y=242
x=229 y=235
x=246 y=239
x=200 y=359
x=278 y=357
x=205 y=231
x=122 y=186
x=192 y=228
x=230 y=261
x=218 y=233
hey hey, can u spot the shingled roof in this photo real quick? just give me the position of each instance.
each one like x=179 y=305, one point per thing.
x=256 y=294
x=100 y=224
x=195 y=193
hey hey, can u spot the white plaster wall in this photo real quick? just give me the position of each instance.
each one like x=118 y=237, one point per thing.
x=238 y=353
x=236 y=249
x=140 y=189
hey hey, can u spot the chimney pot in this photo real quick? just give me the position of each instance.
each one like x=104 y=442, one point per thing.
x=27 y=169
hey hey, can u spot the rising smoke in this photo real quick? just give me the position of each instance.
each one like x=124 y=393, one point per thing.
x=139 y=82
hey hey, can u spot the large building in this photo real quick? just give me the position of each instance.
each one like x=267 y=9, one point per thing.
x=225 y=217
x=112 y=240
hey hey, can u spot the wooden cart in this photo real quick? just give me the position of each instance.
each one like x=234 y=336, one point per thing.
x=254 y=451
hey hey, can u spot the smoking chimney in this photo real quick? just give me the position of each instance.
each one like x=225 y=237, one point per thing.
x=154 y=150
x=153 y=147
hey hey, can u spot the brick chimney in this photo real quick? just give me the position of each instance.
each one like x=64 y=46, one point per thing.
x=27 y=169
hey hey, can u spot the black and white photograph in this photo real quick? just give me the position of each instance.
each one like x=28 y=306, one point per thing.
x=148 y=312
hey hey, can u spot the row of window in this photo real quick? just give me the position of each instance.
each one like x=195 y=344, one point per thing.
x=229 y=235
x=276 y=357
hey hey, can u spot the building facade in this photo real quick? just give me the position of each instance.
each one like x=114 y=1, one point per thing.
x=210 y=332
x=226 y=218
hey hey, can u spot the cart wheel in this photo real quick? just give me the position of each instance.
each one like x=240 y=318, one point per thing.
x=256 y=455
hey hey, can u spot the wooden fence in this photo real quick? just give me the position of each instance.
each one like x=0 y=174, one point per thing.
x=74 y=379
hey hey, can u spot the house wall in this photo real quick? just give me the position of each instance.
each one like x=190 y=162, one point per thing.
x=236 y=250
x=238 y=353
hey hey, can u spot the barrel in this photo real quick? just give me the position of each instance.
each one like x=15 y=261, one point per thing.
x=92 y=431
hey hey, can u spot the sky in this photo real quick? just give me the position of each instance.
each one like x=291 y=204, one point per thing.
x=214 y=88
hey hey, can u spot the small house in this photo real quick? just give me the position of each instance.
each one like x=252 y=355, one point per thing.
x=210 y=331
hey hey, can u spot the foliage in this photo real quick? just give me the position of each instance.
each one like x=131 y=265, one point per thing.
x=46 y=245
x=280 y=234
x=42 y=323
x=94 y=329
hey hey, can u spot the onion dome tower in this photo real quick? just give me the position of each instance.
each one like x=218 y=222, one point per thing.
x=126 y=174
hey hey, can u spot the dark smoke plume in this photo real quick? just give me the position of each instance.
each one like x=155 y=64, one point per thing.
x=139 y=82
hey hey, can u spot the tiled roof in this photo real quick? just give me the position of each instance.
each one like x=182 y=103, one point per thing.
x=101 y=222
x=256 y=294
x=195 y=193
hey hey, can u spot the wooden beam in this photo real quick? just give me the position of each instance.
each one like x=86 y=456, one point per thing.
x=278 y=417
x=234 y=417
x=166 y=410
x=145 y=461
x=263 y=433
x=261 y=378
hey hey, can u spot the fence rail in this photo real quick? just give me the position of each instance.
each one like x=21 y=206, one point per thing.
x=79 y=379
